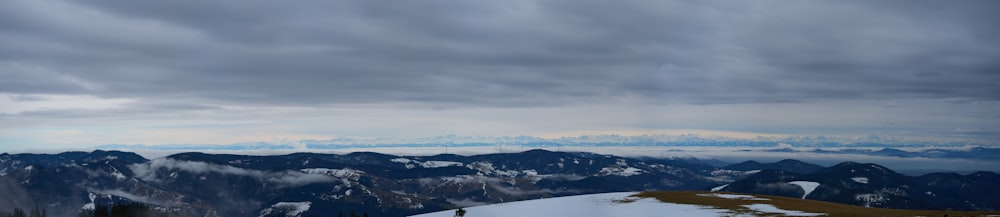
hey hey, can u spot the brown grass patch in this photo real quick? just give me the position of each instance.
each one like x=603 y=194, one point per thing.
x=787 y=203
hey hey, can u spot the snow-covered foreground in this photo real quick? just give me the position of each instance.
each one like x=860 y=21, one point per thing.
x=597 y=205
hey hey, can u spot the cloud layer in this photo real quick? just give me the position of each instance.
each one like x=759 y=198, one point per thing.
x=290 y=178
x=222 y=63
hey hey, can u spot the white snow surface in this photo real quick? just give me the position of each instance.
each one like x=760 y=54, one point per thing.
x=401 y=160
x=89 y=206
x=870 y=199
x=719 y=188
x=862 y=180
x=341 y=173
x=426 y=164
x=288 y=208
x=436 y=164
x=118 y=175
x=618 y=171
x=631 y=171
x=768 y=208
x=806 y=186
x=596 y=205
x=733 y=196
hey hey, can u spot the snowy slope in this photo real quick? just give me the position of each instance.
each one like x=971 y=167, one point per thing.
x=292 y=209
x=807 y=187
x=597 y=205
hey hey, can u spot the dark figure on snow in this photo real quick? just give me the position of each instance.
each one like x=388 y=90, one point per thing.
x=460 y=212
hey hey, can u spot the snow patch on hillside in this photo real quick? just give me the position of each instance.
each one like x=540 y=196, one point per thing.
x=719 y=188
x=862 y=180
x=607 y=204
x=768 y=208
x=401 y=160
x=288 y=208
x=406 y=162
x=89 y=206
x=619 y=171
x=340 y=173
x=806 y=186
x=436 y=164
x=410 y=164
x=733 y=196
x=870 y=200
x=118 y=175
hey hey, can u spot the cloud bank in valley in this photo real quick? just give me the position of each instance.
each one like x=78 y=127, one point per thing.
x=149 y=172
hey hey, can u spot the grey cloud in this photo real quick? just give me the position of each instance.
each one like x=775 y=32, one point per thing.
x=26 y=98
x=133 y=109
x=510 y=53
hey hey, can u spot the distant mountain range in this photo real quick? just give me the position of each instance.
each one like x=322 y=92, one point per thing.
x=977 y=153
x=786 y=165
x=583 y=140
x=304 y=184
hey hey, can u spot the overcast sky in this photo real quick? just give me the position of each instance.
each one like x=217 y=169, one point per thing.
x=76 y=74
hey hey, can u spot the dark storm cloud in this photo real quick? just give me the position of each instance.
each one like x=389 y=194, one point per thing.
x=506 y=53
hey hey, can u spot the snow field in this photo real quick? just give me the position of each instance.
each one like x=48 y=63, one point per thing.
x=596 y=205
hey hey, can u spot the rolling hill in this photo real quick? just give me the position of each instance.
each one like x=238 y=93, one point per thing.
x=304 y=184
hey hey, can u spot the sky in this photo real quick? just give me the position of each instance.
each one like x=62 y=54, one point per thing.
x=79 y=74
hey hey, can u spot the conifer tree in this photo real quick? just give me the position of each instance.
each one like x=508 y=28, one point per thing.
x=101 y=211
x=18 y=212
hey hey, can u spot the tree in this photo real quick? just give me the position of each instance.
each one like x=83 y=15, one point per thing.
x=101 y=211
x=19 y=213
x=85 y=213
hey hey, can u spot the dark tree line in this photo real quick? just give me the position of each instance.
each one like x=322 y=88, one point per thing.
x=17 y=212
x=129 y=210
x=136 y=210
x=353 y=214
x=126 y=210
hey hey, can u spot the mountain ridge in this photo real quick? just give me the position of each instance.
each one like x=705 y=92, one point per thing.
x=790 y=165
x=383 y=184
x=872 y=185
